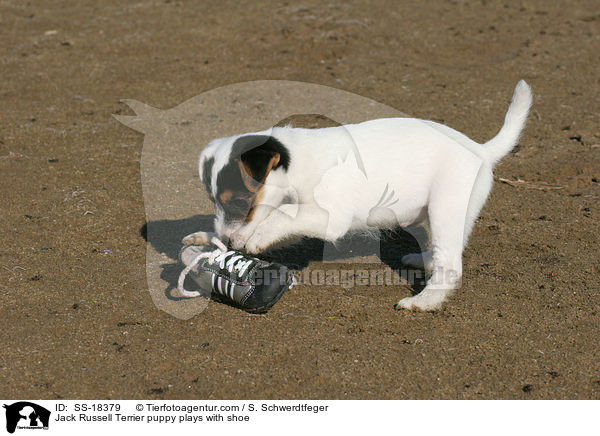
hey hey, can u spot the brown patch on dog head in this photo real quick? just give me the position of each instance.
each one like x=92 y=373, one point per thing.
x=225 y=196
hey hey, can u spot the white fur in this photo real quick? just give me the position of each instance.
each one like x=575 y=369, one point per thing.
x=415 y=169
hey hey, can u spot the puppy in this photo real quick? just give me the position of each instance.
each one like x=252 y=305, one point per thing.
x=272 y=186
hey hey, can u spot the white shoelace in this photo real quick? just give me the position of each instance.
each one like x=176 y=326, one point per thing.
x=220 y=255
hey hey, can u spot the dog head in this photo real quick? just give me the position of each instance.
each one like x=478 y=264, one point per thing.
x=234 y=171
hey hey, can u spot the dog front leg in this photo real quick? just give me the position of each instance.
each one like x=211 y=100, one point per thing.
x=240 y=237
x=290 y=221
x=273 y=197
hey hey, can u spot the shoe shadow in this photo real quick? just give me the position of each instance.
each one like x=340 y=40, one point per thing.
x=165 y=237
x=394 y=245
x=388 y=248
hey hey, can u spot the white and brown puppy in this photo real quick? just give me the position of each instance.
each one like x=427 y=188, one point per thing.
x=274 y=186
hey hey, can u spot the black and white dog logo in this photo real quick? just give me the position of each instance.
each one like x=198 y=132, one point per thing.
x=26 y=415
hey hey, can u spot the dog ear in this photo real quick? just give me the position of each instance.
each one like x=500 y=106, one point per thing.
x=255 y=167
x=256 y=156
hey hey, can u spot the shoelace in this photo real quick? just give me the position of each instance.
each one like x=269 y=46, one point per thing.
x=226 y=260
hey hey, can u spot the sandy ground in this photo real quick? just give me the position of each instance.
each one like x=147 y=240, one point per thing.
x=76 y=317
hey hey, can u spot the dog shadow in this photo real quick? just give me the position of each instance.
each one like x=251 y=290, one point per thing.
x=165 y=237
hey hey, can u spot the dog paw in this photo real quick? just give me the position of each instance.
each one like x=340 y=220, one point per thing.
x=239 y=239
x=419 y=260
x=237 y=243
x=259 y=241
x=256 y=244
x=268 y=233
x=425 y=301
x=198 y=238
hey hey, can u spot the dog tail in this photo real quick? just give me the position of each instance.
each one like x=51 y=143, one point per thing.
x=515 y=119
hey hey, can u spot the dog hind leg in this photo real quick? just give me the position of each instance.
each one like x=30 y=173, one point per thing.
x=449 y=219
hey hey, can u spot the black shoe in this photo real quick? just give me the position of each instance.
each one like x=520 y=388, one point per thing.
x=248 y=283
